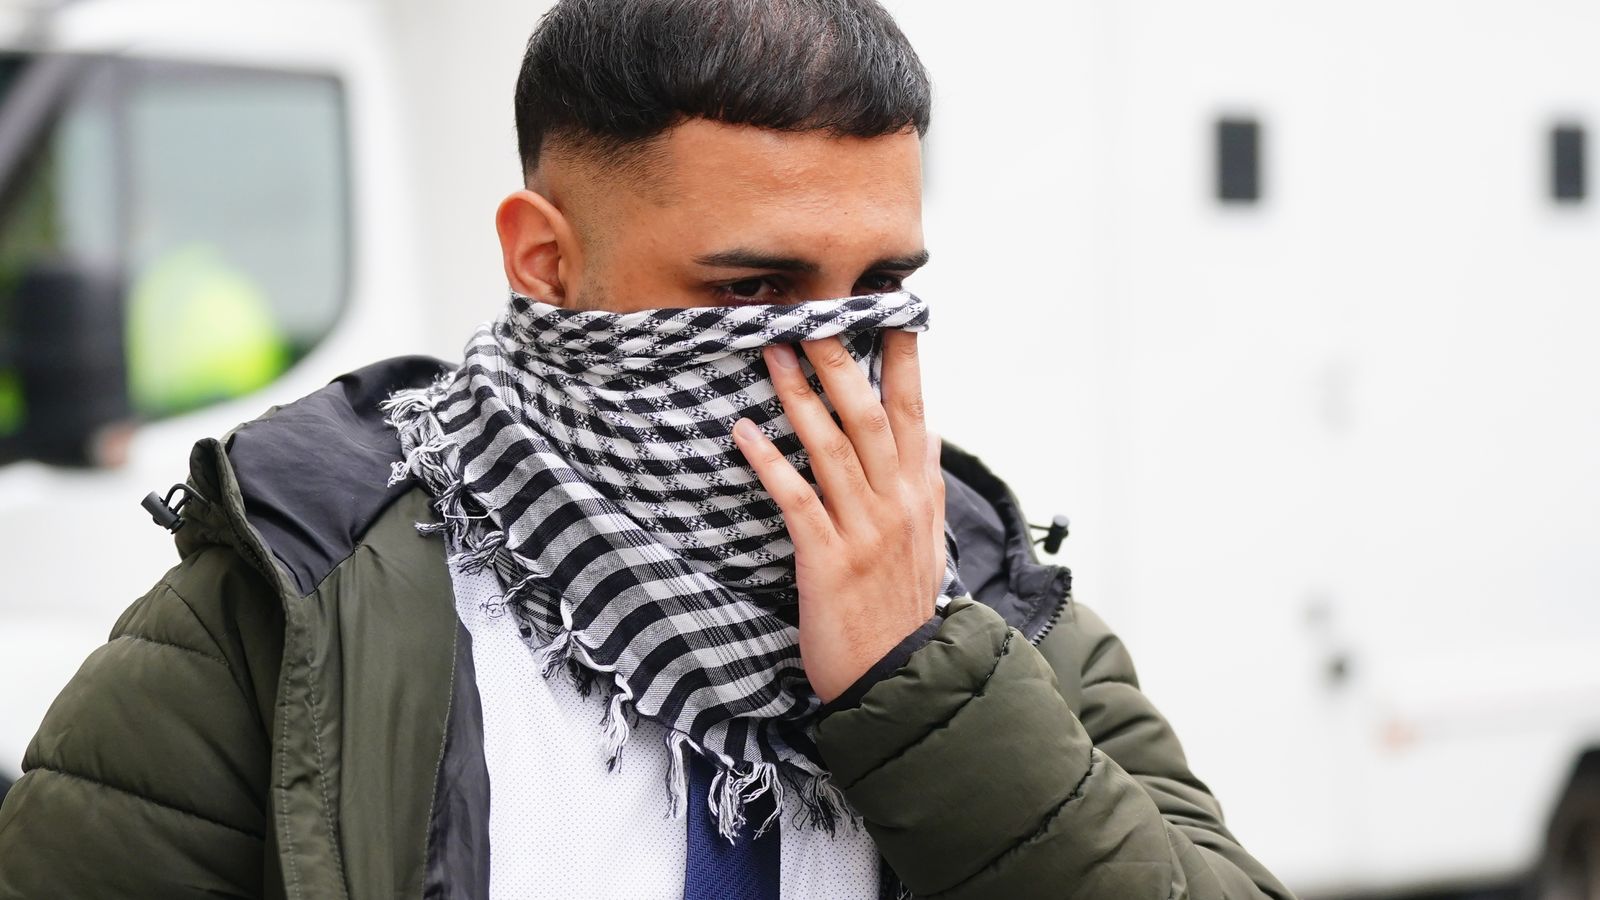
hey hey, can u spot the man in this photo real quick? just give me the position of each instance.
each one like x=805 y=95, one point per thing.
x=623 y=606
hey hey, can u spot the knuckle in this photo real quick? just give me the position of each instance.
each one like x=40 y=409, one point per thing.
x=839 y=450
x=875 y=422
x=912 y=496
x=833 y=355
x=796 y=389
x=803 y=500
x=912 y=406
x=920 y=506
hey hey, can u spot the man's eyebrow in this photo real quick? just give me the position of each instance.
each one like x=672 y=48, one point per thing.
x=754 y=259
x=740 y=258
x=901 y=263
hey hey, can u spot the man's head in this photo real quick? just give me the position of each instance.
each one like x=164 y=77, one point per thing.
x=715 y=152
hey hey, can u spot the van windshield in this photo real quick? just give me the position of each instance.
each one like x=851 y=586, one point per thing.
x=212 y=200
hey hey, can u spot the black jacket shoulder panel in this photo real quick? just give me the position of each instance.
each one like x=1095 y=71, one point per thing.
x=996 y=561
x=314 y=473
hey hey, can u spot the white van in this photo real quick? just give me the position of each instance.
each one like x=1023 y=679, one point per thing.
x=152 y=153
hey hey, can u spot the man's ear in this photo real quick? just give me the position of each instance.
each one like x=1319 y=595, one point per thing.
x=538 y=245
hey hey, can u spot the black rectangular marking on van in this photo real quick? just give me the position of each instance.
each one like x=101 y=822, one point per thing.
x=1238 y=160
x=1567 y=170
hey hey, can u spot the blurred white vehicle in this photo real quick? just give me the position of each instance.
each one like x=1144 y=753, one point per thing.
x=158 y=151
x=1308 y=291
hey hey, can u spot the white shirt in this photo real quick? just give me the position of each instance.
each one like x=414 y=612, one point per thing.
x=561 y=826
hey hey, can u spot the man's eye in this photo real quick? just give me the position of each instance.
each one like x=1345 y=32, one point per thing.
x=751 y=290
x=878 y=284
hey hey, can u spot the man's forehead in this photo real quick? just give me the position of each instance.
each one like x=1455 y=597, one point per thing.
x=699 y=154
x=703 y=160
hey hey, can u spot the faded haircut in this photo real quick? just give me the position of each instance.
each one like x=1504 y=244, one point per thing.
x=602 y=78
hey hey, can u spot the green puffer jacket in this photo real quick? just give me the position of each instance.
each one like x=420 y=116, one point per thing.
x=291 y=712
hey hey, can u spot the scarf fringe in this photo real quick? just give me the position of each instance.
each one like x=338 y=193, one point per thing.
x=678 y=749
x=731 y=790
x=822 y=803
x=474 y=545
x=735 y=785
x=480 y=553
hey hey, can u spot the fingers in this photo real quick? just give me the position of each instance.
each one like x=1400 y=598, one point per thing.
x=834 y=460
x=864 y=418
x=936 y=488
x=902 y=397
x=803 y=513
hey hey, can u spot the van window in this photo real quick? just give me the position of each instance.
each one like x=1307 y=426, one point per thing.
x=217 y=197
x=236 y=247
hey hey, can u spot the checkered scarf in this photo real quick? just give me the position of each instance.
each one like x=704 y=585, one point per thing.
x=587 y=458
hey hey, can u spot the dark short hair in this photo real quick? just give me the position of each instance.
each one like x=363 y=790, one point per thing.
x=606 y=75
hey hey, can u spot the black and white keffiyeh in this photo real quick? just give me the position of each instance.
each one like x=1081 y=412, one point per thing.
x=587 y=458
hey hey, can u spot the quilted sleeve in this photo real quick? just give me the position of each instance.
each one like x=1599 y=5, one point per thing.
x=148 y=776
x=977 y=780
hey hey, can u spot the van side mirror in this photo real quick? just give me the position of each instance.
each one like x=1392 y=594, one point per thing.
x=70 y=359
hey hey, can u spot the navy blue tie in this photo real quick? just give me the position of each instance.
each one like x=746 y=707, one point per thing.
x=717 y=870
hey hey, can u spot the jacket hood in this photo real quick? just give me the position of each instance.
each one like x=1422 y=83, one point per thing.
x=995 y=543
x=300 y=485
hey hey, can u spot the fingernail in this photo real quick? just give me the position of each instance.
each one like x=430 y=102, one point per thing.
x=746 y=430
x=783 y=356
